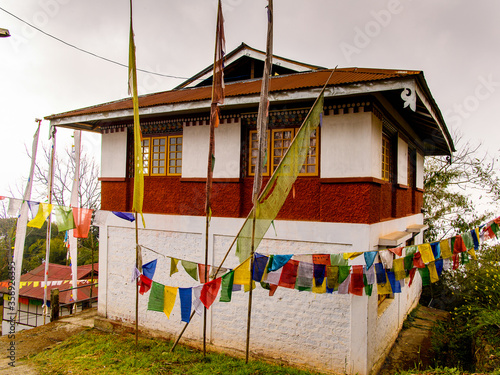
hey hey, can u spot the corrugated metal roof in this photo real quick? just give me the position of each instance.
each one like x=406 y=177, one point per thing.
x=278 y=83
x=57 y=272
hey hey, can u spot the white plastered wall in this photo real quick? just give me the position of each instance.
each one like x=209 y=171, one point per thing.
x=402 y=162
x=340 y=333
x=351 y=145
x=227 y=151
x=114 y=155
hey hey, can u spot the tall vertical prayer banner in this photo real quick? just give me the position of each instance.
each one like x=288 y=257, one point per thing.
x=73 y=241
x=138 y=161
x=276 y=191
x=22 y=222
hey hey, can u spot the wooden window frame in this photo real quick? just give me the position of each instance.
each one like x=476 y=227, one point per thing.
x=270 y=165
x=152 y=159
x=168 y=155
x=145 y=161
x=386 y=158
x=250 y=149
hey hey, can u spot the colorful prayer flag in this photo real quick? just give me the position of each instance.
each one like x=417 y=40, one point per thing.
x=83 y=218
x=173 y=266
x=209 y=292
x=149 y=269
x=227 y=281
x=169 y=296
x=43 y=213
x=156 y=297
x=185 y=295
x=191 y=268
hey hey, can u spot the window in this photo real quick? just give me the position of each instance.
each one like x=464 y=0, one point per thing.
x=175 y=155
x=386 y=158
x=145 y=155
x=160 y=161
x=281 y=139
x=254 y=145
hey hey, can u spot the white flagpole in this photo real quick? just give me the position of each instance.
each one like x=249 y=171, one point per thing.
x=22 y=221
x=49 y=222
x=73 y=242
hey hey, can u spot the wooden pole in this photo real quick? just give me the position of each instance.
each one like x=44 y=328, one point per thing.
x=137 y=249
x=262 y=118
x=49 y=222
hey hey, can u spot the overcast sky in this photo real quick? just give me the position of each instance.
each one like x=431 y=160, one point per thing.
x=455 y=42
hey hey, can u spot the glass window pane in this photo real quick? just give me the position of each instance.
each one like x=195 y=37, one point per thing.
x=171 y=170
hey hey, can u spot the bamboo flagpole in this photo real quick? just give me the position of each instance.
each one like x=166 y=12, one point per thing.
x=73 y=241
x=22 y=222
x=217 y=99
x=138 y=163
x=49 y=222
x=262 y=119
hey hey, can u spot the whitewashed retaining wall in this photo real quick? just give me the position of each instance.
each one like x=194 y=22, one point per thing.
x=337 y=333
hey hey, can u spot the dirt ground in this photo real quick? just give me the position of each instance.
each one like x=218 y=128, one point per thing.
x=412 y=348
x=32 y=341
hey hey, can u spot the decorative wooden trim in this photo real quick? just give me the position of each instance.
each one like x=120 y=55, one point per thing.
x=351 y=180
x=215 y=180
x=112 y=179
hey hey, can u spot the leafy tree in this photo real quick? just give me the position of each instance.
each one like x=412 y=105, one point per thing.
x=449 y=206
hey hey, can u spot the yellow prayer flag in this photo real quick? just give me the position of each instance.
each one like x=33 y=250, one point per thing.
x=352 y=255
x=426 y=253
x=472 y=253
x=433 y=272
x=138 y=161
x=169 y=295
x=384 y=288
x=246 y=287
x=444 y=245
x=173 y=266
x=242 y=273
x=43 y=213
x=319 y=289
x=399 y=268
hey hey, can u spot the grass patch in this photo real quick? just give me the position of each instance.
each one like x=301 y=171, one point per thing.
x=96 y=352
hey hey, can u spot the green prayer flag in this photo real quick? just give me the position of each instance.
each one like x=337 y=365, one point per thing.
x=191 y=268
x=468 y=241
x=408 y=262
x=368 y=287
x=425 y=275
x=226 y=289
x=343 y=273
x=410 y=250
x=338 y=260
x=495 y=228
x=63 y=218
x=156 y=297
x=464 y=258
x=277 y=189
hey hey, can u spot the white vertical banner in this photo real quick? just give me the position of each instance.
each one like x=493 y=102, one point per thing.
x=73 y=242
x=22 y=221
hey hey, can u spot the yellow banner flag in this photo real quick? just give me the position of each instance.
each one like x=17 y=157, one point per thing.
x=169 y=295
x=43 y=213
x=433 y=272
x=426 y=253
x=319 y=289
x=444 y=245
x=242 y=273
x=352 y=255
x=280 y=184
x=384 y=288
x=138 y=161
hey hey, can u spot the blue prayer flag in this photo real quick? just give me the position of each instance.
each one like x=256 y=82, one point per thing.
x=369 y=258
x=149 y=269
x=186 y=298
x=125 y=215
x=279 y=261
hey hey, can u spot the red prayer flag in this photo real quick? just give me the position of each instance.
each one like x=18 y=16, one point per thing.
x=144 y=283
x=289 y=274
x=488 y=232
x=397 y=250
x=417 y=261
x=272 y=289
x=357 y=282
x=412 y=275
x=82 y=218
x=209 y=292
x=459 y=246
x=456 y=261
x=220 y=47
x=322 y=259
x=201 y=273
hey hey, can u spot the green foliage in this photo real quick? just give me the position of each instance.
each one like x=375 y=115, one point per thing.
x=475 y=308
x=448 y=204
x=95 y=352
